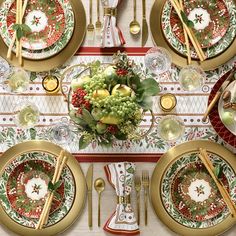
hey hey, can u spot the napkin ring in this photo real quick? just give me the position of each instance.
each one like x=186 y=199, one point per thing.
x=109 y=11
x=123 y=199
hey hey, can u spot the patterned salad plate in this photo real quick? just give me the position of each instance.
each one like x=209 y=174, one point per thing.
x=183 y=194
x=226 y=132
x=211 y=21
x=221 y=32
x=217 y=39
x=26 y=170
x=58 y=30
x=195 y=194
x=51 y=24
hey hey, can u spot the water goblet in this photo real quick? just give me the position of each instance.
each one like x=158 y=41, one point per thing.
x=171 y=128
x=191 y=78
x=26 y=114
x=18 y=80
x=158 y=60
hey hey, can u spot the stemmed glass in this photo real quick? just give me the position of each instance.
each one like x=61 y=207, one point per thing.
x=4 y=70
x=158 y=60
x=26 y=114
x=171 y=128
x=61 y=132
x=18 y=80
x=191 y=78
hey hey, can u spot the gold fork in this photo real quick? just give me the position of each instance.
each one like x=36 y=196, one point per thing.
x=137 y=186
x=90 y=27
x=145 y=184
x=98 y=23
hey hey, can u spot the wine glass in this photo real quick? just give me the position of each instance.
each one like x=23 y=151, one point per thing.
x=4 y=69
x=18 y=80
x=171 y=128
x=191 y=78
x=158 y=60
x=26 y=114
x=61 y=132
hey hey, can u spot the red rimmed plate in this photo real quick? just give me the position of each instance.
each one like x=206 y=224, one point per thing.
x=46 y=21
x=211 y=21
x=27 y=188
x=214 y=116
x=195 y=194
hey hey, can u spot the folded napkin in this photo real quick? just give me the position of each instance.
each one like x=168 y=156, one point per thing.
x=122 y=221
x=111 y=34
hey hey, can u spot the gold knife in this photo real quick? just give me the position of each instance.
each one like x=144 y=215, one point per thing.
x=89 y=181
x=219 y=92
x=144 y=25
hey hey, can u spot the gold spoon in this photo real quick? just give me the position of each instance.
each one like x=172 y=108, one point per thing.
x=99 y=185
x=134 y=26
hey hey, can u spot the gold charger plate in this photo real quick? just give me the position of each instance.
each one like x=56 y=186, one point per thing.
x=178 y=59
x=156 y=183
x=80 y=188
x=69 y=50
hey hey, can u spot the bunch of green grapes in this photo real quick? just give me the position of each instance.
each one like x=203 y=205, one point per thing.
x=118 y=106
x=95 y=83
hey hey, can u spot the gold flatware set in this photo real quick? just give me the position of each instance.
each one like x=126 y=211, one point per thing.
x=91 y=29
x=99 y=185
x=142 y=183
x=89 y=181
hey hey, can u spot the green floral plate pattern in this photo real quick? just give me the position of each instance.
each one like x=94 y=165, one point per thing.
x=195 y=193
x=48 y=51
x=169 y=177
x=69 y=190
x=213 y=51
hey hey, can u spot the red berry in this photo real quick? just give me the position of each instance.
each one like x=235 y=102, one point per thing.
x=121 y=72
x=113 y=129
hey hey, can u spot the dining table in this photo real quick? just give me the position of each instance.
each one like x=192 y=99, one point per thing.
x=190 y=108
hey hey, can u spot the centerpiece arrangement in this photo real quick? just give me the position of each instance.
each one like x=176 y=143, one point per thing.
x=108 y=101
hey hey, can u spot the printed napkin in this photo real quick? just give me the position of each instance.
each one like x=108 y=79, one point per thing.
x=122 y=221
x=111 y=34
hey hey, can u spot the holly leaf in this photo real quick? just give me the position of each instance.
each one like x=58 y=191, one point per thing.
x=19 y=33
x=50 y=186
x=21 y=30
x=53 y=187
x=83 y=143
x=57 y=185
x=25 y=28
x=185 y=19
x=16 y=26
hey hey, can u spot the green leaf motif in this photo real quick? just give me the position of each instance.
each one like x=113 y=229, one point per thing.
x=57 y=185
x=83 y=143
x=146 y=104
x=53 y=187
x=218 y=171
x=185 y=19
x=33 y=76
x=32 y=133
x=151 y=87
x=50 y=186
x=88 y=118
x=21 y=30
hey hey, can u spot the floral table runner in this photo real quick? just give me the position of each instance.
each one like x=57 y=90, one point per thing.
x=190 y=108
